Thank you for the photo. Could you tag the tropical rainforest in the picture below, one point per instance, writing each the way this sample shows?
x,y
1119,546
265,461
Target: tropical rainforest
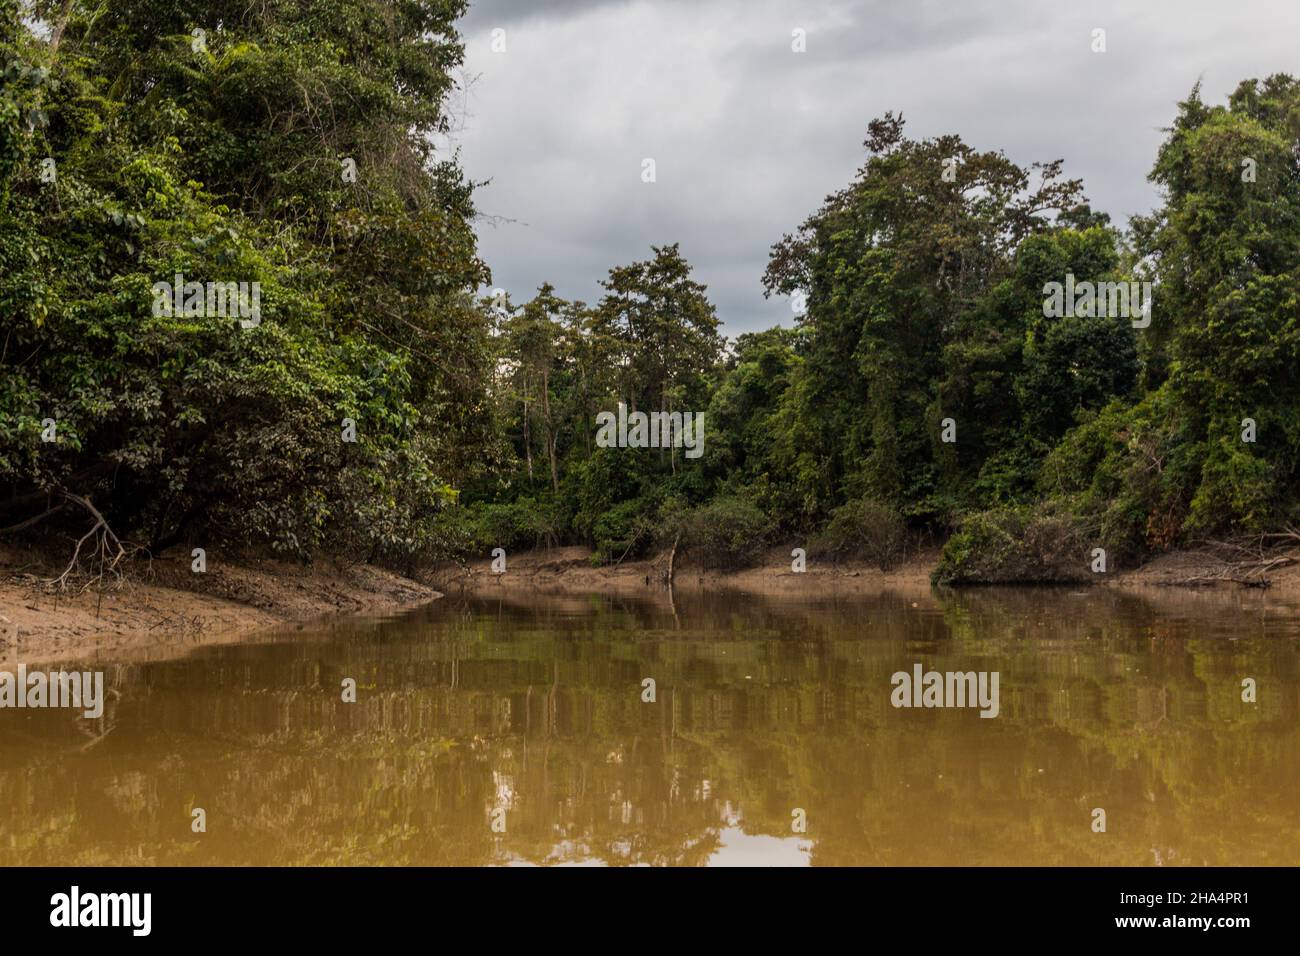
x,y
390,407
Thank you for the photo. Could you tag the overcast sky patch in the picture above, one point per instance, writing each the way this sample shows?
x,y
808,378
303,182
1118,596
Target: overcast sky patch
x,y
748,137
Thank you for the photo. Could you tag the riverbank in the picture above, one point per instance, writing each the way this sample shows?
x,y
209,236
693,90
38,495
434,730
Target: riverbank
x,y
570,569
163,601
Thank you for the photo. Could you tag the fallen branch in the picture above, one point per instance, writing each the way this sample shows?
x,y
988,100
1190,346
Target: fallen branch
x,y
1248,574
15,528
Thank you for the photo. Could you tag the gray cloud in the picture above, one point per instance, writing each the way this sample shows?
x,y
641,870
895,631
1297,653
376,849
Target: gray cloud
x,y
749,137
493,13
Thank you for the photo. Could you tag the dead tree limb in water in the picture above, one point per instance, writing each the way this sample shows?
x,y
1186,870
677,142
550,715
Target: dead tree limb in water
x,y
672,558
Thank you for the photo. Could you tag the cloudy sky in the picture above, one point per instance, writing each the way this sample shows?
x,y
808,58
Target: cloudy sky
x,y
748,136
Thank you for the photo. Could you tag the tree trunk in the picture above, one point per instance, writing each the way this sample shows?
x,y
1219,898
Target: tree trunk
x,y
528,444
550,430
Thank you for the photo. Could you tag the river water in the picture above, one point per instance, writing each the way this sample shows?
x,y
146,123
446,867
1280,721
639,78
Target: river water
x,y
518,730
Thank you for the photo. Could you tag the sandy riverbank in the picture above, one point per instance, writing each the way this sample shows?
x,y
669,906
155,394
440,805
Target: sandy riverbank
x,y
570,570
163,601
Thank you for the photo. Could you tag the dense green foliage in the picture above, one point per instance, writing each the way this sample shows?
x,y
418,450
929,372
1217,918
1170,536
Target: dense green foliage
x,y
923,389
926,383
1224,345
225,160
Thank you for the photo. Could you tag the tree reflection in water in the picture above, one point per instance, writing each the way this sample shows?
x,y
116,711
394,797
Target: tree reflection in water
x,y
762,706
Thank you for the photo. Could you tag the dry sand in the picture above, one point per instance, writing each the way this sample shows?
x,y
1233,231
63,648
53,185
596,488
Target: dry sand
x,y
163,601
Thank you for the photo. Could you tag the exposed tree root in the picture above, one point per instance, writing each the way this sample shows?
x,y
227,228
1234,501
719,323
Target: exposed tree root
x,y
106,546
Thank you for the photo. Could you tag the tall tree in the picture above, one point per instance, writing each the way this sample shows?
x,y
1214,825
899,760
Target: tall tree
x,y
890,267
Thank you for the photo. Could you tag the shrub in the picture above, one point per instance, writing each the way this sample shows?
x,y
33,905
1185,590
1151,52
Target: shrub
x,y
864,528
624,530
1236,491
514,526
1131,467
1038,545
725,533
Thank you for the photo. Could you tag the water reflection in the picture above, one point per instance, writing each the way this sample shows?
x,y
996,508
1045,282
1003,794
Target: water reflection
x,y
762,708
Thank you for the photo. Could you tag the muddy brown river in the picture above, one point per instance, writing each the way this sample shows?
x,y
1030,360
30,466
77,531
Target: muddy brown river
x,y
716,730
